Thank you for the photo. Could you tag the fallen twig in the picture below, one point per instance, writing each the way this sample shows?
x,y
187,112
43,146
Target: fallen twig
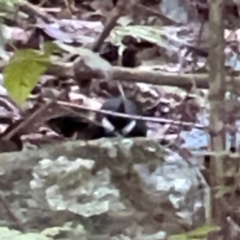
x,y
157,77
132,117
16,221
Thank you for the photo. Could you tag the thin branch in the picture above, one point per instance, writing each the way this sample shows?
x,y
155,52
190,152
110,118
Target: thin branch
x,y
111,22
217,114
17,222
132,117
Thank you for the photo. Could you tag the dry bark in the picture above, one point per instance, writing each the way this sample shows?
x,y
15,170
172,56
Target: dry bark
x,y
217,88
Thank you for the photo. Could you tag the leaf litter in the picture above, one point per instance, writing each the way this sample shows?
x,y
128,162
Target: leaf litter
x,y
150,47
173,114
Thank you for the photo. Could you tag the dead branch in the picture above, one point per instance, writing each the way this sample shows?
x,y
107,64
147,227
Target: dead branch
x,y
111,22
152,77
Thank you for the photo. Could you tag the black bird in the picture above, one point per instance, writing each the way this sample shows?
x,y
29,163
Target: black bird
x,y
112,126
123,126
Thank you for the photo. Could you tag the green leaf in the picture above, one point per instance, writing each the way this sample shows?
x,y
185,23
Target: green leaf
x,y
50,47
22,73
196,234
9,5
182,236
203,231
